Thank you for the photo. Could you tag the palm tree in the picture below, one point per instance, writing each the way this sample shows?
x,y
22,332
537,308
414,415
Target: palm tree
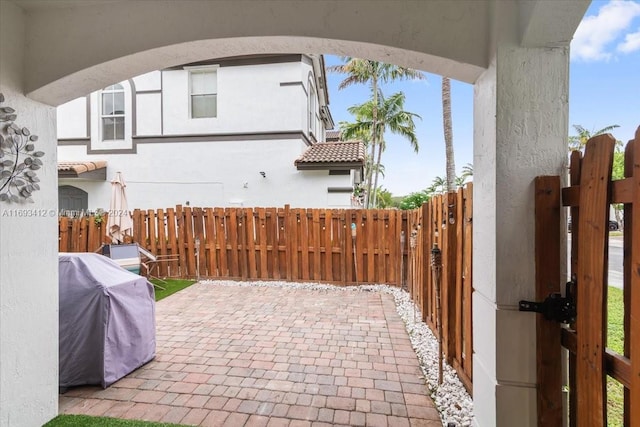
x,y
438,185
579,141
390,115
366,71
384,198
467,170
365,137
448,133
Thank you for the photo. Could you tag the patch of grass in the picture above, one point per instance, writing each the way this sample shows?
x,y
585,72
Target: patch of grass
x,y
615,341
86,421
171,286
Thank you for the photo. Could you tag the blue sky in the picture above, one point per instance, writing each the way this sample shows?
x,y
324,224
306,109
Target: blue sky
x,y
604,90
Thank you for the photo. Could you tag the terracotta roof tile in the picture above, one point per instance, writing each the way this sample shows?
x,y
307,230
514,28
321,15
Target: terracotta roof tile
x,y
333,152
80,167
333,135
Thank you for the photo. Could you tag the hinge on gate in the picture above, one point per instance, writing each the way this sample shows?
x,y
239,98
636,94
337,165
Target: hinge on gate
x,y
555,307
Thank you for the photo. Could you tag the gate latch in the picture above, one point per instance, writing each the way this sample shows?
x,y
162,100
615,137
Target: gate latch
x,y
555,307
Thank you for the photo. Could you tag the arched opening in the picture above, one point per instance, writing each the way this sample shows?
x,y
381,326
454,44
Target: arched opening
x,y
519,69
72,199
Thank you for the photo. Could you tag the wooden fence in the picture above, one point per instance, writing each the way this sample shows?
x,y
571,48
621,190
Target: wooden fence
x,y
591,362
260,243
446,221
338,246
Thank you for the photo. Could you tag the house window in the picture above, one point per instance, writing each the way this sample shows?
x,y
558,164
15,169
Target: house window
x,y
312,109
203,93
112,113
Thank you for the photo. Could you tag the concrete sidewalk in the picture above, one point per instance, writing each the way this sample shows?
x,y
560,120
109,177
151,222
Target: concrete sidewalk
x,y
268,356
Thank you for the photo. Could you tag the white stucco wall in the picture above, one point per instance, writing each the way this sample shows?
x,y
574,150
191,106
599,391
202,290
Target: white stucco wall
x,y
520,130
212,174
28,257
72,119
149,81
250,99
149,114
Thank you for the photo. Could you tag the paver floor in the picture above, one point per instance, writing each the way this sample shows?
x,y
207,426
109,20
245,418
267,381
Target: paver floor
x,y
268,356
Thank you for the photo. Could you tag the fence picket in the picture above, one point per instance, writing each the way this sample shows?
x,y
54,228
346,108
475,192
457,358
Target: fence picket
x,y
172,243
548,350
293,244
151,231
220,245
459,226
281,261
263,246
381,263
468,285
594,215
209,244
329,225
250,239
316,245
369,230
303,227
632,297
162,240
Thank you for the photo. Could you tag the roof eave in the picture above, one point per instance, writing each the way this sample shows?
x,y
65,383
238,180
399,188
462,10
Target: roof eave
x,y
328,165
99,174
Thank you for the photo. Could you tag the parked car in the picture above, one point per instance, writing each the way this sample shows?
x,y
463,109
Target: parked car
x,y
613,225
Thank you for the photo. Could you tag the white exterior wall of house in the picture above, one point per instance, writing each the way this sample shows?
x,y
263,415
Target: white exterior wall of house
x,y
28,256
164,166
220,173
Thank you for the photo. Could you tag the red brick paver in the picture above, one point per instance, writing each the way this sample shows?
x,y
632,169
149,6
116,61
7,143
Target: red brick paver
x,y
268,356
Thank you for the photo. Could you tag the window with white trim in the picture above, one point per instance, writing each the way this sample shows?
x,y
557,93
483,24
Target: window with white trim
x,y
112,112
312,109
203,93
111,118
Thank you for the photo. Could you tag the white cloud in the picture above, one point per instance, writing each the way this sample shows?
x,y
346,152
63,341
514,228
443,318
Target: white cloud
x,y
595,33
631,43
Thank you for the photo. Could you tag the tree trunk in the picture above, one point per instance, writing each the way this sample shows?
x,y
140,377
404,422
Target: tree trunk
x,y
374,134
377,172
448,133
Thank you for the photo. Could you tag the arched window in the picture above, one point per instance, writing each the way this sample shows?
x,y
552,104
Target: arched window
x,y
112,116
112,112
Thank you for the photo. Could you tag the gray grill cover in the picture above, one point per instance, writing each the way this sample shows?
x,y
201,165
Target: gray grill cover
x,y
107,320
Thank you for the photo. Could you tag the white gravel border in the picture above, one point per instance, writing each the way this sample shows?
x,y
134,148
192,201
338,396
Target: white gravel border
x,y
451,398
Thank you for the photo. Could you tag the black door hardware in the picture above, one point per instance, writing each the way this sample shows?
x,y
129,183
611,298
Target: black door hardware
x,y
555,307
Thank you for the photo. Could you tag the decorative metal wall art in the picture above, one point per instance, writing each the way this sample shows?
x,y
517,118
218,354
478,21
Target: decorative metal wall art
x,y
19,160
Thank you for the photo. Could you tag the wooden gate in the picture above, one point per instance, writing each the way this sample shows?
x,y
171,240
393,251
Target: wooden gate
x,y
589,196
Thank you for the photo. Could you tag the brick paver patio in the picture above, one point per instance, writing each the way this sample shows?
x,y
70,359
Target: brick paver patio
x,y
268,356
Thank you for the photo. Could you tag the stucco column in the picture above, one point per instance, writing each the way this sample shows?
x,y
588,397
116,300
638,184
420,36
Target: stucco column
x,y
28,255
520,131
